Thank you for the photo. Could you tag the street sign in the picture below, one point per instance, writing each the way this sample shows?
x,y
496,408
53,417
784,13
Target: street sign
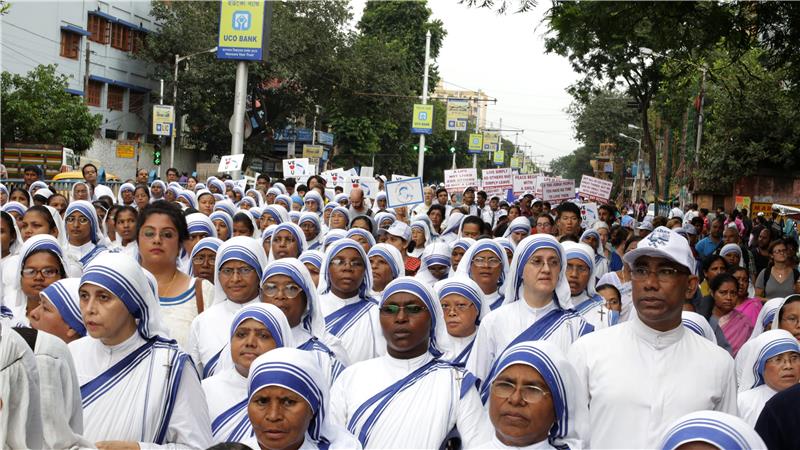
x,y
243,30
163,118
499,157
125,151
312,151
490,141
457,114
422,122
475,144
515,163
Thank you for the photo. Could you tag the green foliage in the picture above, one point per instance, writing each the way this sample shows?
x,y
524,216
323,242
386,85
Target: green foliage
x,y
37,109
602,119
575,164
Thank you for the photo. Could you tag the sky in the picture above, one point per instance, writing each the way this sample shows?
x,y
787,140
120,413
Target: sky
x,y
503,55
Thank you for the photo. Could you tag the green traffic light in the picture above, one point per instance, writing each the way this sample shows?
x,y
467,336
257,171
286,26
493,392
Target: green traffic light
x,y
452,149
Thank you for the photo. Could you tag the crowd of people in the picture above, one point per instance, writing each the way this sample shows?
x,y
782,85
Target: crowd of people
x,y
291,315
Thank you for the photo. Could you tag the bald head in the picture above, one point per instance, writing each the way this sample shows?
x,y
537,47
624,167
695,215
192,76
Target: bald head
x,y
357,198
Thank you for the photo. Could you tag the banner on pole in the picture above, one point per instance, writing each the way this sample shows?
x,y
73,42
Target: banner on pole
x,y
460,178
163,119
243,30
499,157
490,142
298,167
515,163
404,192
312,151
558,190
230,163
497,179
457,114
595,188
422,122
475,146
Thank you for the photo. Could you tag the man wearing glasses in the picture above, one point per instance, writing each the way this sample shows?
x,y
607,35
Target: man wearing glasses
x,y
650,370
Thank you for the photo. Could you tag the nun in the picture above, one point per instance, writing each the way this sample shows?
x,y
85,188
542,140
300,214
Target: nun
x,y
536,306
312,259
312,228
350,312
238,267
457,250
288,241
386,263
533,402
291,378
711,429
411,397
585,300
517,230
128,359
256,329
486,263
435,263
462,305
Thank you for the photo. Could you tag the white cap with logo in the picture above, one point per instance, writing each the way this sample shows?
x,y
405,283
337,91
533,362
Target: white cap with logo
x,y
663,243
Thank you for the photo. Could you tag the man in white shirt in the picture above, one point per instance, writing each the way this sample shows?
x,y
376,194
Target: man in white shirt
x,y
491,212
649,371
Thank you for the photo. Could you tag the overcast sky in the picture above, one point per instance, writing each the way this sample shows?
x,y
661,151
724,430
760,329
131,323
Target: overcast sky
x,y
504,56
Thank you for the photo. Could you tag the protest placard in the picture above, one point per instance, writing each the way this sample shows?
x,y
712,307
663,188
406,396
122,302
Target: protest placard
x,y
589,214
460,178
558,190
404,192
497,179
595,188
230,163
297,167
524,183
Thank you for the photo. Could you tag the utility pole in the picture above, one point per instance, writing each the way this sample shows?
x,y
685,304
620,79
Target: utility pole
x,y
175,114
161,138
239,105
421,159
86,74
699,125
455,140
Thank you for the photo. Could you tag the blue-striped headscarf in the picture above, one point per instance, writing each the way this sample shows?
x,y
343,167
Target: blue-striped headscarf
x,y
296,232
121,275
391,255
313,196
584,253
768,344
465,265
225,217
314,218
439,344
238,248
277,212
464,286
313,257
63,294
340,210
285,201
562,382
200,223
271,317
294,216
249,200
207,243
189,196
16,207
524,252
332,236
331,253
312,319
712,427
382,217
227,206
217,184
87,210
363,233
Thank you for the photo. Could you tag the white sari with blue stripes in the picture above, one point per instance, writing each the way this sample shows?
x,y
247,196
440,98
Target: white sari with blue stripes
x,y
140,390
408,403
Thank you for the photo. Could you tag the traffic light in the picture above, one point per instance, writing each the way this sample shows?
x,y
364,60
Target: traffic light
x,y
157,155
453,149
416,147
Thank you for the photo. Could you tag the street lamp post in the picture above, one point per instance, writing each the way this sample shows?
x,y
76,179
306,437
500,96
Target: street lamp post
x,y
636,181
178,59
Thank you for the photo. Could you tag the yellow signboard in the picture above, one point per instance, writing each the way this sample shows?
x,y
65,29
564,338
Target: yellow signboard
x,y
125,151
163,120
243,30
499,157
475,144
422,122
312,151
457,114
515,162
490,141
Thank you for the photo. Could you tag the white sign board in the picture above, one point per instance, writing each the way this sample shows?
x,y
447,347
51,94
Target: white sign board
x,y
460,178
494,179
297,167
404,192
396,177
595,188
524,183
230,163
240,184
541,179
558,190
335,177
366,171
589,214
352,172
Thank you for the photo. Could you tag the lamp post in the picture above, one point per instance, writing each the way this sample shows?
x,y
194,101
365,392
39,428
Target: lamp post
x,y
178,59
636,182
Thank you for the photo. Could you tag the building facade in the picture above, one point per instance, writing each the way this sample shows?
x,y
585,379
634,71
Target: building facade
x,y
477,103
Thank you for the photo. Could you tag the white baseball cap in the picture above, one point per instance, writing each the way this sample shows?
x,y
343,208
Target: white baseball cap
x,y
646,225
399,229
663,243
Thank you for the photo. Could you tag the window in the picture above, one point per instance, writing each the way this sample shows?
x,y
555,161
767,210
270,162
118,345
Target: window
x,y
93,93
136,104
120,37
116,95
137,41
70,44
111,134
98,26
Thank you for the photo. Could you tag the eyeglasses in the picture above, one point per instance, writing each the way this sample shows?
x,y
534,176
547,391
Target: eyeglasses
x,y
203,260
81,220
289,291
540,262
151,234
394,310
580,268
242,271
491,262
664,274
340,263
789,357
47,272
779,251
791,320
458,307
531,394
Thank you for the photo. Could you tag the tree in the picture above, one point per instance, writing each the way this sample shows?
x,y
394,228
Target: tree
x,y
38,109
573,165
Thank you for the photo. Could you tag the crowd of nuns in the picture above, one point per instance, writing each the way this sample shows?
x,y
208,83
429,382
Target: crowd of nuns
x,y
287,316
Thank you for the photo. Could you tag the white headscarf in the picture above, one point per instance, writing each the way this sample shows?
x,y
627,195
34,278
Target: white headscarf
x,y
519,224
426,230
314,218
586,254
299,371
698,324
278,212
36,243
102,190
121,275
571,417
296,231
200,223
62,238
525,250
776,321
239,248
14,249
712,427
123,188
481,245
766,316
768,344
74,185
366,283
436,253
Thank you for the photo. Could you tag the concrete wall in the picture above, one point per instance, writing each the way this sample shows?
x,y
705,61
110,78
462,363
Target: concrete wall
x,y
104,154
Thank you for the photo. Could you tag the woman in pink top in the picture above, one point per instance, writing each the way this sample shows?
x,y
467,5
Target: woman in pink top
x,y
749,306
